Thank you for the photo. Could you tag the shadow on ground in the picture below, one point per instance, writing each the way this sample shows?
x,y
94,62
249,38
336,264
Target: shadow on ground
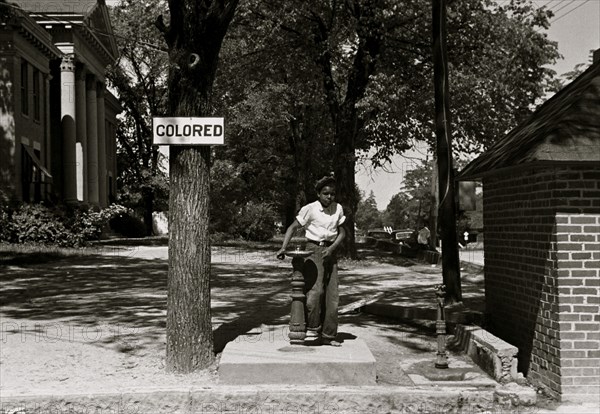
x,y
129,293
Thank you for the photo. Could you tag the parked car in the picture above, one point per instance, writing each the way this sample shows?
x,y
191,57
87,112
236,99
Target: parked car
x,y
402,235
388,240
379,234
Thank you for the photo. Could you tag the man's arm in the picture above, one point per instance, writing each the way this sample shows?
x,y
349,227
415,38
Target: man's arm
x,y
289,233
338,240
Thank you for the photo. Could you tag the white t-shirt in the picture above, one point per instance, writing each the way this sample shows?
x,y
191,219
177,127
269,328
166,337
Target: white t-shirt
x,y
318,223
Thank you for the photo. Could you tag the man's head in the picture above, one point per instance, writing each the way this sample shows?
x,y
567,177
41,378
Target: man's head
x,y
325,181
325,188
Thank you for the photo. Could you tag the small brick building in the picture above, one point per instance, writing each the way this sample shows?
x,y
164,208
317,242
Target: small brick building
x,y
541,215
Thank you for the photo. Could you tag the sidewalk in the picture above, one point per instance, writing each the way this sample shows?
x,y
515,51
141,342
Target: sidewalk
x,y
87,332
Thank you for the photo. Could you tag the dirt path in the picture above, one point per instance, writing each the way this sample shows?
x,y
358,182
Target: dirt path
x,y
96,322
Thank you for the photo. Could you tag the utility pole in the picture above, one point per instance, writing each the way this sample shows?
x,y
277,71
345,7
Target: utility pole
x,y
447,207
433,209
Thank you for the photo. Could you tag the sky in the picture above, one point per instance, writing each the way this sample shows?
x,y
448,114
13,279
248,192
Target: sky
x,y
576,28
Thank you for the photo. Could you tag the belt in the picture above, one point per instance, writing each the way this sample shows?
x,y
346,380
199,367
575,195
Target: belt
x,y
320,243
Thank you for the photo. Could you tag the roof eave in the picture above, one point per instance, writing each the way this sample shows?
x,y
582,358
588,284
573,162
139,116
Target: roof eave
x,y
481,175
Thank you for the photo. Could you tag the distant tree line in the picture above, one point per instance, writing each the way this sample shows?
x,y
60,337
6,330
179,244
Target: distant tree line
x,y
411,207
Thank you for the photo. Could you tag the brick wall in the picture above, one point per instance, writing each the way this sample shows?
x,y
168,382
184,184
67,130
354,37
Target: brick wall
x,y
542,273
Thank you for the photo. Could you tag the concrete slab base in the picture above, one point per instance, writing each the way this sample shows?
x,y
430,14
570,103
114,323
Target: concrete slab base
x,y
276,361
266,399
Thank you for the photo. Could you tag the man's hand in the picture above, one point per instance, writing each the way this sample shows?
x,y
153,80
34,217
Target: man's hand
x,y
327,252
281,254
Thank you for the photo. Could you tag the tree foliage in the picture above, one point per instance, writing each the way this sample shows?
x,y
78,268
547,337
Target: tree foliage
x,y
360,73
398,213
496,69
139,78
367,215
309,87
411,206
281,140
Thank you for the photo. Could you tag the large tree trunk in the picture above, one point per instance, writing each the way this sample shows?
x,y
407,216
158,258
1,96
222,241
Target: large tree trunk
x,y
189,328
194,38
344,166
298,147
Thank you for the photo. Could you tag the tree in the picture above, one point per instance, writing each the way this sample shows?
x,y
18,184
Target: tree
x,y
367,215
417,185
272,101
139,77
194,35
497,73
397,214
572,74
412,204
373,60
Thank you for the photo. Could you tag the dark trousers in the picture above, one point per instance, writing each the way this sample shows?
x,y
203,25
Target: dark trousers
x,y
321,289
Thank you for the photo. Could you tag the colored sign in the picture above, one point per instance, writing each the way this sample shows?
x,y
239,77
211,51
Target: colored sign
x,y
188,131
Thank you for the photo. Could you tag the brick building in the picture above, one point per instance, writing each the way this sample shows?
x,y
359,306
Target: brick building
x,y
541,214
57,120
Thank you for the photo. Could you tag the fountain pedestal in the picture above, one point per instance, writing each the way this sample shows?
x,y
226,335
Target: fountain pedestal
x,y
297,332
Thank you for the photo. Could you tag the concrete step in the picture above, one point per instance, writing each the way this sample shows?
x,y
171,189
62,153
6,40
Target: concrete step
x,y
276,361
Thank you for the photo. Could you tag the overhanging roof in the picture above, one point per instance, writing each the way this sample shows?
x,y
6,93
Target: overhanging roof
x,y
89,17
565,129
31,31
76,7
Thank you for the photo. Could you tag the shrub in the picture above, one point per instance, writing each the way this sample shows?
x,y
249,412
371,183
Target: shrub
x,y
35,223
87,222
256,222
128,224
66,226
219,237
5,226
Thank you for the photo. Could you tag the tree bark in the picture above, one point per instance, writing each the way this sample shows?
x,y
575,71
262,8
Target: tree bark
x,y
189,328
298,148
344,168
194,38
447,206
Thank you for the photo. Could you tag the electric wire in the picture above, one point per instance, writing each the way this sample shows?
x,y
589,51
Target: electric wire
x,y
569,12
565,6
555,5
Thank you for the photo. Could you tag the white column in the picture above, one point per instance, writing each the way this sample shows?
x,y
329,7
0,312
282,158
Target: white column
x,y
67,115
81,144
92,139
101,147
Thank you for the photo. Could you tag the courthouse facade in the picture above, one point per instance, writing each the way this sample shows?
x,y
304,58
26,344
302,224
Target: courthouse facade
x,y
57,119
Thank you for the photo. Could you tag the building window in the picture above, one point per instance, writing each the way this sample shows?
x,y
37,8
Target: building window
x,y
33,175
24,87
36,94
